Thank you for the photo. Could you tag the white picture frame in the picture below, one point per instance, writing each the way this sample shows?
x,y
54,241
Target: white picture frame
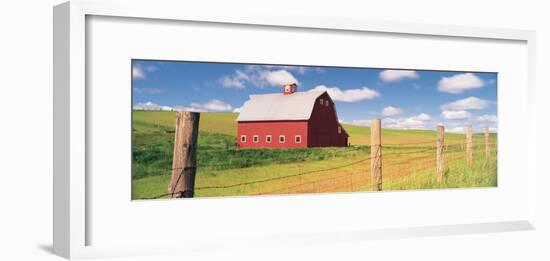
x,y
72,199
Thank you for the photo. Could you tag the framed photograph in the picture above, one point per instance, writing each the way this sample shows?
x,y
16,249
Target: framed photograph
x,y
250,129
276,130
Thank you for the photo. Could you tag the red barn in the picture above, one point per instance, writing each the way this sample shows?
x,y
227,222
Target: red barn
x,y
290,120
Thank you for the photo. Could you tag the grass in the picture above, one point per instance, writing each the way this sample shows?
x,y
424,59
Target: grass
x,y
152,152
360,135
457,174
226,171
220,122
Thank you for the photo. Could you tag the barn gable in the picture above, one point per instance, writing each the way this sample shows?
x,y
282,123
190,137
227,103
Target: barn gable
x,y
279,107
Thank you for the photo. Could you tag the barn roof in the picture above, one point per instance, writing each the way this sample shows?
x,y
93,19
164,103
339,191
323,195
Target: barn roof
x,y
277,106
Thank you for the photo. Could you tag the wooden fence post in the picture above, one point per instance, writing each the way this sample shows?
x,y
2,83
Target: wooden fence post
x,y
487,143
376,154
469,146
440,167
182,183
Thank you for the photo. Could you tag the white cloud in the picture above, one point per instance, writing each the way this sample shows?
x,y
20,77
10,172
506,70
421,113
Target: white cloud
x,y
459,83
138,73
422,117
470,103
361,122
298,69
349,95
456,130
415,122
278,78
397,75
391,111
185,108
212,105
238,110
237,80
459,126
229,82
489,118
455,115
147,90
402,123
258,76
151,106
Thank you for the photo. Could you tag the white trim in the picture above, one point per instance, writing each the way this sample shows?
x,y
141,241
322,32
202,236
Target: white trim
x,y
284,139
298,137
270,138
255,138
243,140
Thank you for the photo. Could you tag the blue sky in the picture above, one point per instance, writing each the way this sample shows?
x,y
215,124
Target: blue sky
x,y
403,99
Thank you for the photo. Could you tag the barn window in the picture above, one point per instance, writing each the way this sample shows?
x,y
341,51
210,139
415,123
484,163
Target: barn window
x,y
326,103
321,101
298,139
282,139
243,138
255,138
268,139
339,129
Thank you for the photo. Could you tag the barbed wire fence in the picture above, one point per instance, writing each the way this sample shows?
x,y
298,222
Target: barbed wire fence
x,y
407,165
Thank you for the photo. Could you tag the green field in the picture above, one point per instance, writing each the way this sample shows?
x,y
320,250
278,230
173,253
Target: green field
x,y
408,160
